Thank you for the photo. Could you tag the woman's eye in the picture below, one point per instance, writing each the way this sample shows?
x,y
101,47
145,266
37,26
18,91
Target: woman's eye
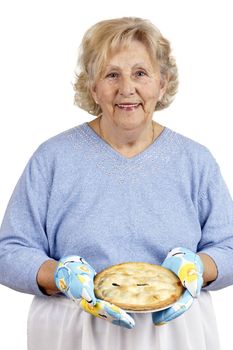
x,y
112,75
140,73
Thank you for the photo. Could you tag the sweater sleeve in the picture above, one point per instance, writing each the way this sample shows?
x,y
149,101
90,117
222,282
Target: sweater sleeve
x,y
216,219
23,241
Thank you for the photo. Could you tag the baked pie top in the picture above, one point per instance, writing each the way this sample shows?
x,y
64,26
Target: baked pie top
x,y
138,286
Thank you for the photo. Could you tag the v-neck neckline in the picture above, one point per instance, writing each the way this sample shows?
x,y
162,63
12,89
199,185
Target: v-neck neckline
x,y
147,152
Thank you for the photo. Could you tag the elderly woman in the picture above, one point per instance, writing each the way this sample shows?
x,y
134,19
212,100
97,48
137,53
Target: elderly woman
x,y
119,188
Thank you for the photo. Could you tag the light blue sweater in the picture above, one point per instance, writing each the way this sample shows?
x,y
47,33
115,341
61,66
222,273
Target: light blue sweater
x,y
79,196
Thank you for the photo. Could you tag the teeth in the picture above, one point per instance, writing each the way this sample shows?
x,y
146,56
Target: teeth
x,y
128,105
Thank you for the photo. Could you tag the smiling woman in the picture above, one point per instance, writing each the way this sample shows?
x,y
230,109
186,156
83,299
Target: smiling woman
x,y
104,39
130,74
127,93
121,188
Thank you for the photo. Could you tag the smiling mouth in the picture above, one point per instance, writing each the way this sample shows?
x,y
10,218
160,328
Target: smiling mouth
x,y
128,106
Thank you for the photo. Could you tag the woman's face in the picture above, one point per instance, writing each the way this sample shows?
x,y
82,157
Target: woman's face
x,y
129,87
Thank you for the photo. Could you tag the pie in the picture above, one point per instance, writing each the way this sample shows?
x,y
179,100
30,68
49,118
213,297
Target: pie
x,y
138,286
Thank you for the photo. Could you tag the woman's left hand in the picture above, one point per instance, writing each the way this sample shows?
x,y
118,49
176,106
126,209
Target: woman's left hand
x,y
108,312
189,268
182,305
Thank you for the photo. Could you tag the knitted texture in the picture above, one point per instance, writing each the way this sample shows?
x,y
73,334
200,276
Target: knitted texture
x,y
78,196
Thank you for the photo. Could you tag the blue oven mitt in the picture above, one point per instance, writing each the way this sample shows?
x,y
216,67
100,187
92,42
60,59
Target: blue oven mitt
x,y
178,308
109,312
189,268
75,278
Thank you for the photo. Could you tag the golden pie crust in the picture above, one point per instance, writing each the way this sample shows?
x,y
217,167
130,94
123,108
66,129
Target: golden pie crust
x,y
138,286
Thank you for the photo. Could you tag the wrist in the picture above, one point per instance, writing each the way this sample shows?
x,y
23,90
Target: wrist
x,y
210,268
45,277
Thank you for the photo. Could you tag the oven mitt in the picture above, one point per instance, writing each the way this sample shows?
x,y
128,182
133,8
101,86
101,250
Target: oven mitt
x,y
189,268
75,278
109,312
181,305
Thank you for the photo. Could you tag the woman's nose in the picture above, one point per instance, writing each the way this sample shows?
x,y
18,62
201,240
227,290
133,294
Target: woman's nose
x,y
126,87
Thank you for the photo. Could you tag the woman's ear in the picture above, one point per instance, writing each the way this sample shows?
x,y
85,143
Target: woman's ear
x,y
163,86
93,92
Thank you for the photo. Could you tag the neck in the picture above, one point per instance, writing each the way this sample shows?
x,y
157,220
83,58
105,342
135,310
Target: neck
x,y
128,142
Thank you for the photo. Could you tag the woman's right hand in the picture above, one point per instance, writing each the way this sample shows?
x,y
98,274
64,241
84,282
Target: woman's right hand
x,y
109,312
75,278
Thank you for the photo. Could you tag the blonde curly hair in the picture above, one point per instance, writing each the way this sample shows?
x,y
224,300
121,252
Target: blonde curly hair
x,y
103,39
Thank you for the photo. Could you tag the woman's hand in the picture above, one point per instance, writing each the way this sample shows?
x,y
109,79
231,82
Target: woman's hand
x,y
75,278
182,305
109,312
189,268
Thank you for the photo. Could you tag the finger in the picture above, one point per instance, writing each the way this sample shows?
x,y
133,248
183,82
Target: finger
x,y
181,306
109,312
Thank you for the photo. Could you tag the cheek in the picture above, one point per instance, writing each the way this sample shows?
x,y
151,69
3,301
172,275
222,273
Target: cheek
x,y
106,103
150,92
104,95
150,97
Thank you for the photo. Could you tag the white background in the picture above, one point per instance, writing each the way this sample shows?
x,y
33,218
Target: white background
x,y
39,42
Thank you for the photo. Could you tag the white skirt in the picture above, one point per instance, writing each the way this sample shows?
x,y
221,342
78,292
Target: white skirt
x,y
57,323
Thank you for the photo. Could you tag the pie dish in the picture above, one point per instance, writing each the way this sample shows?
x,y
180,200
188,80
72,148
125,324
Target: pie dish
x,y
138,286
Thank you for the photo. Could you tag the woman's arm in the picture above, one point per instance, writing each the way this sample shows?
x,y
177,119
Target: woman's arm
x,y
24,244
210,269
46,282
45,277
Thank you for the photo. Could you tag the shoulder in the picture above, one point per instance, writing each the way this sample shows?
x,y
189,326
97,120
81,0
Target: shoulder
x,y
61,152
62,144
63,140
193,151
194,161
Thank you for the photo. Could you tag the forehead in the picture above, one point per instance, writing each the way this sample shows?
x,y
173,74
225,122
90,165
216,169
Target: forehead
x,y
128,55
